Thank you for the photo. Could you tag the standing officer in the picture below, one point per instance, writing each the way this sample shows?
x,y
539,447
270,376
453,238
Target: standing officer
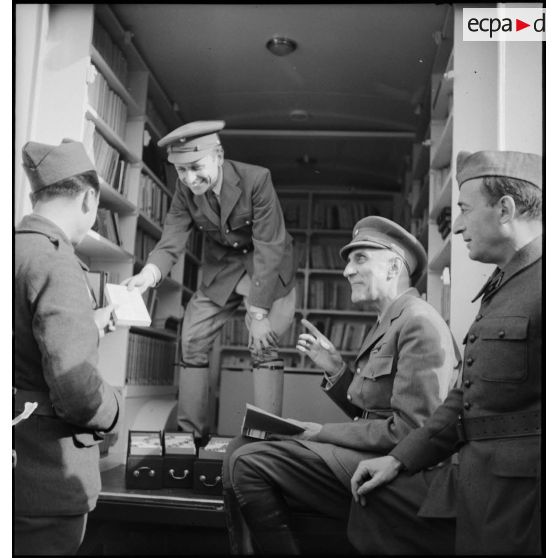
x,y
56,337
494,418
402,373
248,255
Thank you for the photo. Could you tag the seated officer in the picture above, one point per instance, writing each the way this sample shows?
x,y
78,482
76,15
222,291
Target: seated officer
x,y
403,371
494,419
248,256
56,338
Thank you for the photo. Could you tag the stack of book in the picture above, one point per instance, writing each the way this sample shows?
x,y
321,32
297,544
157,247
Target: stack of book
x,y
110,164
150,360
110,52
144,243
153,201
107,224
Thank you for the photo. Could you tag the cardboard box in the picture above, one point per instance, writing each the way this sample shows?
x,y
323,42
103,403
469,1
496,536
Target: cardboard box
x,y
178,459
144,461
208,469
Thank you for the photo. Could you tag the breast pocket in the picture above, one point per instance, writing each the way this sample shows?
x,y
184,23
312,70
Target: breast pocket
x,y
504,348
240,221
377,379
204,224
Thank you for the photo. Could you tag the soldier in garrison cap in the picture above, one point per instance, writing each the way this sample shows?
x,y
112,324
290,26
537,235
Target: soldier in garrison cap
x,y
56,338
494,417
248,256
406,365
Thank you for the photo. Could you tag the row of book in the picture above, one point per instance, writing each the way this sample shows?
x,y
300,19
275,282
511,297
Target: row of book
x,y
345,335
295,213
150,360
108,104
326,256
153,200
110,164
144,243
327,294
332,215
110,52
107,224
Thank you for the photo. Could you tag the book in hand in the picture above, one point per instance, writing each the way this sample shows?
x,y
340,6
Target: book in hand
x,y
130,309
260,424
145,443
179,443
215,448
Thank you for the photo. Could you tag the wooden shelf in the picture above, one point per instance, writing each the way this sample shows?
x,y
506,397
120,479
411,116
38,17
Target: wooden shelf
x,y
114,82
110,135
442,151
97,247
442,258
149,225
155,332
136,390
114,200
443,199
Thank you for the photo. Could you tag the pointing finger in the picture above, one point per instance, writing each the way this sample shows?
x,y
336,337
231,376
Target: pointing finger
x,y
311,327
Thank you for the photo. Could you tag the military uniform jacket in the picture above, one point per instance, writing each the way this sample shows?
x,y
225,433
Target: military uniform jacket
x,y
248,236
497,498
55,351
402,373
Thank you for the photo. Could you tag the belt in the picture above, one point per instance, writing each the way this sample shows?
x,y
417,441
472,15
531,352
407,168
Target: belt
x,y
44,407
509,425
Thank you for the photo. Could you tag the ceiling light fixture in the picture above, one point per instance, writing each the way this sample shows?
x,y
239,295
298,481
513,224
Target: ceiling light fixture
x,y
281,46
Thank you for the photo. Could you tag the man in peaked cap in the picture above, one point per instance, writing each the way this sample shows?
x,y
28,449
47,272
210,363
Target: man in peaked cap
x,y
56,337
404,369
248,256
494,418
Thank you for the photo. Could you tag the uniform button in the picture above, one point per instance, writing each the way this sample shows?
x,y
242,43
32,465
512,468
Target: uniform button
x,y
358,370
257,283
349,397
467,405
469,361
501,333
235,244
247,222
478,317
245,251
227,231
356,418
472,338
373,379
201,227
467,383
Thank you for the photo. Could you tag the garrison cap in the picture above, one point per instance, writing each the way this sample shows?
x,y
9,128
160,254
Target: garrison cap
x,y
379,232
512,164
192,141
47,164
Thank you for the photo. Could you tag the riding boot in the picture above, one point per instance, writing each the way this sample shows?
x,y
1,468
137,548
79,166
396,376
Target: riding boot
x,y
193,401
268,386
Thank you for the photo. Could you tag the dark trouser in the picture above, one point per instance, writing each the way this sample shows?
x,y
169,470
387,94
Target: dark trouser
x,y
54,536
389,524
269,481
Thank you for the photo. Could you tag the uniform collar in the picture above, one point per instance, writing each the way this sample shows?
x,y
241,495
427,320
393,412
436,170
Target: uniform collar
x,y
523,258
34,223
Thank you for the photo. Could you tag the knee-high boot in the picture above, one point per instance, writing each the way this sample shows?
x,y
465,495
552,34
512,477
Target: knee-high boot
x,y
268,385
239,535
193,401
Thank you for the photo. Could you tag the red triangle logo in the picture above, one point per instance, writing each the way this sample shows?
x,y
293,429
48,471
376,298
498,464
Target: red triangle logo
x,y
519,25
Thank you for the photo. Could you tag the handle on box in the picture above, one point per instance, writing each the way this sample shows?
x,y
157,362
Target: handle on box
x,y
137,472
203,479
176,477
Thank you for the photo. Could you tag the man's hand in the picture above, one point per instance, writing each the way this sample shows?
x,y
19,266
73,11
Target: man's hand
x,y
311,429
102,317
143,280
261,335
319,348
372,473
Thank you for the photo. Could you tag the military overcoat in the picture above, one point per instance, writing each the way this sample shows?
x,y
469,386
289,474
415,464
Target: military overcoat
x,y
55,353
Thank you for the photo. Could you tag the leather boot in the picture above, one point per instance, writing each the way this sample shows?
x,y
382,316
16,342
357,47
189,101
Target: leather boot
x,y
268,386
193,401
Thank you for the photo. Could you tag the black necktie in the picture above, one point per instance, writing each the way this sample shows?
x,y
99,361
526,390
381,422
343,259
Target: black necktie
x,y
493,283
213,202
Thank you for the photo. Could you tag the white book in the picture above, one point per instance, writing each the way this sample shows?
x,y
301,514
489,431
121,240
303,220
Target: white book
x,y
130,309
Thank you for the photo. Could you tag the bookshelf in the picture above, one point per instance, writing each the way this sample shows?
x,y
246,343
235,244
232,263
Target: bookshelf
x,y
114,105
320,226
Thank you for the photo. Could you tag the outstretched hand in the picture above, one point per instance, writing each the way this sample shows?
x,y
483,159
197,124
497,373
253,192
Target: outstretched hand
x,y
319,348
